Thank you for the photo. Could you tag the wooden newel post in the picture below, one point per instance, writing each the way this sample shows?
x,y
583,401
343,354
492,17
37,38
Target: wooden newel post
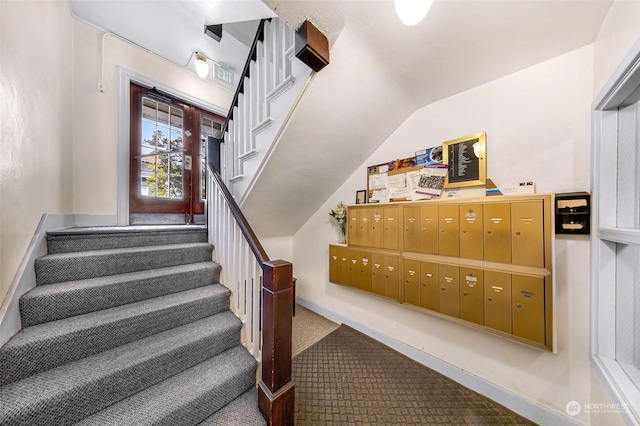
x,y
275,390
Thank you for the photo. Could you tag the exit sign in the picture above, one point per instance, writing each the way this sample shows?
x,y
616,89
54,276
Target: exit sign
x,y
224,74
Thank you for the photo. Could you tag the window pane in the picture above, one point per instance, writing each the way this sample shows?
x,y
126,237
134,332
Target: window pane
x,y
163,113
217,129
162,138
628,211
162,185
149,109
176,118
175,186
176,140
176,163
149,134
203,178
628,310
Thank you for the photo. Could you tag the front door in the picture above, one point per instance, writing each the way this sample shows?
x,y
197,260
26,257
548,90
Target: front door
x,y
168,163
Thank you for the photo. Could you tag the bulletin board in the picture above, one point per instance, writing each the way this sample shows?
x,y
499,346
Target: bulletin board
x,y
402,180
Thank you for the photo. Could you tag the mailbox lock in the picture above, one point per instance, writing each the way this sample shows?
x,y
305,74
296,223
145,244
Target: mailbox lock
x,y
464,293
442,288
489,231
489,299
464,231
429,275
518,305
517,232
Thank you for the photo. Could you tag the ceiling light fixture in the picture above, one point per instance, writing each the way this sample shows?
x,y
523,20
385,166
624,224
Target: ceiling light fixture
x,y
202,67
411,12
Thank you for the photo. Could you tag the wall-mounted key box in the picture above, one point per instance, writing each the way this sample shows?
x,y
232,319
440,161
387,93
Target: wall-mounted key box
x,y
573,213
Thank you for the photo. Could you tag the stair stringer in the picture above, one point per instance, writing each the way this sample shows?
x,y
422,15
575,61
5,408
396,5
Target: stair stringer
x,y
282,105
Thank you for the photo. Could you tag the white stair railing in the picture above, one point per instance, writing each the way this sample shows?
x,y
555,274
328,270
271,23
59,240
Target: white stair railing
x,y
271,71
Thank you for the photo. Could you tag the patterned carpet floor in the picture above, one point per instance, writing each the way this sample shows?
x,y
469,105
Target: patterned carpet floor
x,y
348,378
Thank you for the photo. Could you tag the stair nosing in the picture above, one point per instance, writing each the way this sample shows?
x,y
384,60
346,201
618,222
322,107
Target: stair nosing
x,y
140,249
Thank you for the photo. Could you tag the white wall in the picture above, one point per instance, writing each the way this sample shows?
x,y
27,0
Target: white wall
x,y
36,59
620,29
95,120
537,124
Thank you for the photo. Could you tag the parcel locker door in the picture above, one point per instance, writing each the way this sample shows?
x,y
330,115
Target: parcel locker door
x,y
364,265
449,294
377,273
411,229
429,229
376,218
334,257
471,236
392,277
449,240
412,282
391,228
471,295
365,226
528,308
527,242
497,301
429,285
497,232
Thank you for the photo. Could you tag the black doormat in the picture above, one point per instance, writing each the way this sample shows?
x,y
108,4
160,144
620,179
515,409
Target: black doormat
x,y
348,378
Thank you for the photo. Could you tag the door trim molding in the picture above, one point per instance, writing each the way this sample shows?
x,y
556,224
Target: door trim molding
x,y
125,78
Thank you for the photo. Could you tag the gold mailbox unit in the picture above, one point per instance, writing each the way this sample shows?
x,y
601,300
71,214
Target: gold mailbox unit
x,y
484,263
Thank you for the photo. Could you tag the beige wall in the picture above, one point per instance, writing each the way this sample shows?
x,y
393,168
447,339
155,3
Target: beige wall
x,y
620,29
36,64
537,124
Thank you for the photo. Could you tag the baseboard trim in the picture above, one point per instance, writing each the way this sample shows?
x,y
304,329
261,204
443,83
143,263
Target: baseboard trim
x,y
517,403
25,278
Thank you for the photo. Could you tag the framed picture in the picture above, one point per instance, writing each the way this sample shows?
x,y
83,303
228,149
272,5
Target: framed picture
x,y
361,197
466,158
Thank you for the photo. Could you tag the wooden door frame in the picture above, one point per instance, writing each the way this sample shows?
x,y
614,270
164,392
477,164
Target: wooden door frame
x,y
125,78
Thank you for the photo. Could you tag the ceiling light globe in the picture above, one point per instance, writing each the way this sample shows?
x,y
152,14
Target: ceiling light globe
x,y
202,67
411,12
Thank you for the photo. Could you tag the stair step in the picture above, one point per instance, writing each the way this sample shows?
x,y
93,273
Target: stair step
x,y
63,300
56,268
49,345
186,398
71,392
108,237
241,411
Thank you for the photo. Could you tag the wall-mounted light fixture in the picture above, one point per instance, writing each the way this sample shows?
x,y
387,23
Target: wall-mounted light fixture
x,y
202,67
411,12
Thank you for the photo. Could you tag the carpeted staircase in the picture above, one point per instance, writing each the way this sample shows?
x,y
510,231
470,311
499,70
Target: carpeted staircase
x,y
127,326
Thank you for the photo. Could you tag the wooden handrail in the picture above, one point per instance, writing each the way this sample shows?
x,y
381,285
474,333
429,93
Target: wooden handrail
x,y
248,233
245,72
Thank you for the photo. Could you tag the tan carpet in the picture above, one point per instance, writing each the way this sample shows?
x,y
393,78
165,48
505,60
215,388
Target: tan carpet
x,y
309,328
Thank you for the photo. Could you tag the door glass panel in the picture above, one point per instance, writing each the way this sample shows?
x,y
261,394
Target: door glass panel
x,y
628,211
161,175
628,310
208,128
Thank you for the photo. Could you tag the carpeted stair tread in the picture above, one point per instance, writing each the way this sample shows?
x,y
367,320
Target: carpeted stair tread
x,y
44,346
62,300
186,398
100,238
73,391
242,411
56,268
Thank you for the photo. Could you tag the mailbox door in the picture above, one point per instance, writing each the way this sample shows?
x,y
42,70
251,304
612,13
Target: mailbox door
x,y
412,282
353,229
364,264
410,229
377,273
429,285
448,298
391,228
365,226
528,308
343,266
376,219
334,257
392,278
429,229
354,268
471,236
471,295
449,240
497,301
497,232
527,241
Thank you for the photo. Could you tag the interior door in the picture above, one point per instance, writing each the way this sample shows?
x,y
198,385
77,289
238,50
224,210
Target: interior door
x,y
168,155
